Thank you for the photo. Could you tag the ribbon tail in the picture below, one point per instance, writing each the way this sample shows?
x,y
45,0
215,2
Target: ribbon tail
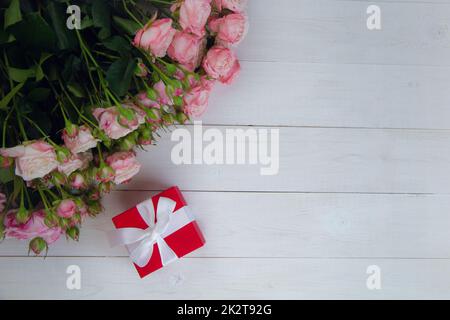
x,y
142,253
166,252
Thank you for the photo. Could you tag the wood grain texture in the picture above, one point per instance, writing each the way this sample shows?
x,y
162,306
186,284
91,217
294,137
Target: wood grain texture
x,y
278,225
318,160
329,31
334,95
364,170
241,278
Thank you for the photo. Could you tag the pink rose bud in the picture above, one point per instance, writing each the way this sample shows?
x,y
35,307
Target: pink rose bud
x,y
6,162
73,233
94,195
125,166
35,227
187,49
3,200
105,173
62,154
81,141
141,70
95,208
221,63
181,118
193,16
161,90
155,37
231,29
116,126
70,130
148,99
22,215
58,178
75,162
66,208
33,160
105,187
145,136
196,99
233,5
129,142
37,245
77,181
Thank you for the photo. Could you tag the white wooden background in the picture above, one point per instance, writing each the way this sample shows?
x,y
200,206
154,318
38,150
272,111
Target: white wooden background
x,y
364,170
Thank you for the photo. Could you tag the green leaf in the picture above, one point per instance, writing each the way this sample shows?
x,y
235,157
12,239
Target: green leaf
x,y
6,175
4,37
118,44
101,15
12,14
6,99
119,75
39,72
86,23
34,32
17,187
72,66
76,90
21,75
67,39
38,94
127,25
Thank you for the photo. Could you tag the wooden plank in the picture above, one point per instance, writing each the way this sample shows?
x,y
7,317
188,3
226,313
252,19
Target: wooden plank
x,y
327,95
316,160
288,225
106,278
329,31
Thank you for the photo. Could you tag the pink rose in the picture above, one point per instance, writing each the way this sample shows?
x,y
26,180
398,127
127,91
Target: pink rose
x,y
33,160
34,227
233,5
230,29
77,181
163,97
155,37
82,141
146,101
109,118
187,49
221,63
2,202
125,166
196,100
193,16
5,162
66,208
75,162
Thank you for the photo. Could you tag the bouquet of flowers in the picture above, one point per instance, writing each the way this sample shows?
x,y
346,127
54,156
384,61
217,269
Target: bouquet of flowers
x,y
85,83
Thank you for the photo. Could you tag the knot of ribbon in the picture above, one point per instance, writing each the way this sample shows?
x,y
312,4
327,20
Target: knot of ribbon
x,y
140,242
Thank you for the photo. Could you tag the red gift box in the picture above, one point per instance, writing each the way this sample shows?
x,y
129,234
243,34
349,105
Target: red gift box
x,y
157,231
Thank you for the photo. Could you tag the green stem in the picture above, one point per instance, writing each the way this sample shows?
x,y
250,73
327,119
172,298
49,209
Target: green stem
x,y
110,56
100,154
28,197
4,128
131,14
21,127
44,199
45,136
162,2
75,106
55,197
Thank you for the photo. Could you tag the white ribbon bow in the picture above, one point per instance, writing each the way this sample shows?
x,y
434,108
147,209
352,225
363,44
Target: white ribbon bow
x,y
140,242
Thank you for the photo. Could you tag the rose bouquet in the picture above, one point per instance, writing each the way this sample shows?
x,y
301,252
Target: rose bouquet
x,y
85,83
